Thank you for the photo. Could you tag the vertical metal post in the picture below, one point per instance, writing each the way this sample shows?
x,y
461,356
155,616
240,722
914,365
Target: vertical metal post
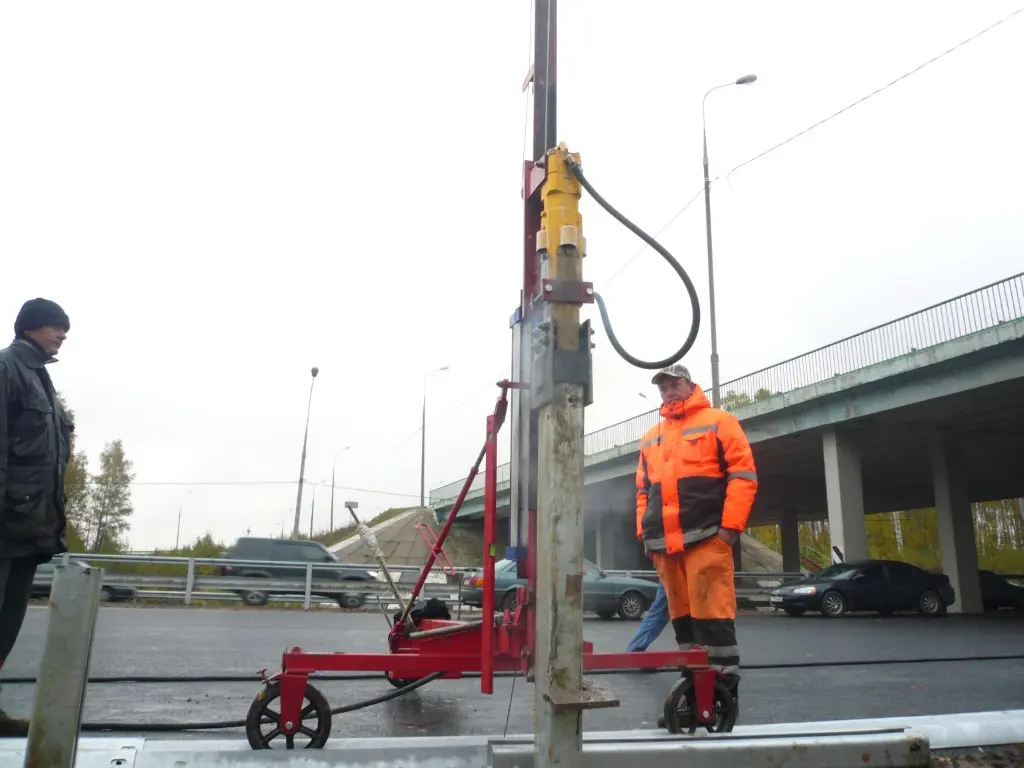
x,y
309,586
60,689
190,580
302,465
716,397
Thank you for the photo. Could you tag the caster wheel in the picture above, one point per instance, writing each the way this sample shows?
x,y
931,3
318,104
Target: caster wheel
x,y
681,716
398,682
263,723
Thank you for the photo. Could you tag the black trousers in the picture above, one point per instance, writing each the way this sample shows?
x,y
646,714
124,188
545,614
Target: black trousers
x,y
16,575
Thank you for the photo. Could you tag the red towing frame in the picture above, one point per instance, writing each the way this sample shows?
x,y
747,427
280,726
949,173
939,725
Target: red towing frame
x,y
502,643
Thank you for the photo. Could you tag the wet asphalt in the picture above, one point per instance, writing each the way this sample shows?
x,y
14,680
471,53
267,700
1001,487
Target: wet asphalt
x,y
185,641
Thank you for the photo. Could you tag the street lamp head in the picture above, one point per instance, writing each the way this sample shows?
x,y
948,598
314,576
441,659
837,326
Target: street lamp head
x,y
315,371
746,80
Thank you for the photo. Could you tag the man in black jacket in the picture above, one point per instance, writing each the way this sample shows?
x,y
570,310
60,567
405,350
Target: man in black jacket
x,y
35,436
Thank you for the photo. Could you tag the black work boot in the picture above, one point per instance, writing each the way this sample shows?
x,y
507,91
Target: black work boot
x,y
12,726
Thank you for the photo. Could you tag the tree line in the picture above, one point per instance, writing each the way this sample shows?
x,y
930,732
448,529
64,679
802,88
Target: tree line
x,y
99,505
912,536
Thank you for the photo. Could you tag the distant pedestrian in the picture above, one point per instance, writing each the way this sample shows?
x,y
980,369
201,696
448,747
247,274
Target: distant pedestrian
x,y
696,484
653,625
35,437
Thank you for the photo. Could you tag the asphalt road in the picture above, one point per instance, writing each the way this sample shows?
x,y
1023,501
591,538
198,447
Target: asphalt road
x,y
181,641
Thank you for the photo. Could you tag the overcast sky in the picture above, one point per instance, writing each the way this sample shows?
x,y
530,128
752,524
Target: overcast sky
x,y
224,194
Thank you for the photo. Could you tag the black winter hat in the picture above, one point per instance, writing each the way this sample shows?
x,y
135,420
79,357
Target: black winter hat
x,y
35,313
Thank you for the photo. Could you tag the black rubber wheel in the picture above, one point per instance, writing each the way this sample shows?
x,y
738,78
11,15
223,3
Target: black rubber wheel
x,y
795,611
315,720
632,606
833,604
106,595
679,714
399,682
930,604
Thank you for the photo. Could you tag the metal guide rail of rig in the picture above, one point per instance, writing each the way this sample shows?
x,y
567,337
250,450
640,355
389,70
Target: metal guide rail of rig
x,y
551,385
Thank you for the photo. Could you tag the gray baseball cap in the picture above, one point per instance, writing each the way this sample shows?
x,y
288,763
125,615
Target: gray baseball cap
x,y
676,371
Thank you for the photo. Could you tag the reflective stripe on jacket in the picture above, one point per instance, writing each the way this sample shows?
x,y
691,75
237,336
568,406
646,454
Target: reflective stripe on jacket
x,y
696,474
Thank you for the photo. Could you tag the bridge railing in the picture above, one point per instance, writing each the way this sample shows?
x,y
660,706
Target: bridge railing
x,y
978,310
968,313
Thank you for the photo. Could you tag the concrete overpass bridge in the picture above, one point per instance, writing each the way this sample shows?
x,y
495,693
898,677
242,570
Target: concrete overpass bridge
x,y
926,410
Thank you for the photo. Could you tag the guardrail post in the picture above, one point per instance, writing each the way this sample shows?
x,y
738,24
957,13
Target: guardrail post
x,y
309,585
190,580
64,671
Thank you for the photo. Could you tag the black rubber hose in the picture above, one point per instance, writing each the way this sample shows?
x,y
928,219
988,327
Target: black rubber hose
x,y
694,301
222,724
183,679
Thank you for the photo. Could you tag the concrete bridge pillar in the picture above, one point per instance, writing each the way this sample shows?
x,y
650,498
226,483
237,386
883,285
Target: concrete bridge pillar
x,y
958,546
789,532
845,493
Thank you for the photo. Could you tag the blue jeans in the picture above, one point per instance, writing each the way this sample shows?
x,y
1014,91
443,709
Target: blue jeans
x,y
653,624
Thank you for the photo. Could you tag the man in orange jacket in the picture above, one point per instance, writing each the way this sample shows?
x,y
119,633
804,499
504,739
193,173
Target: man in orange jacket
x,y
696,483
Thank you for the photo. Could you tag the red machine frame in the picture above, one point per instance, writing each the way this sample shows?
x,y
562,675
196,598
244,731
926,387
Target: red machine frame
x,y
455,648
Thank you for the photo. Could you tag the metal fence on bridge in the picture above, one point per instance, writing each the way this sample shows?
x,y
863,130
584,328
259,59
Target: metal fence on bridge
x,y
978,310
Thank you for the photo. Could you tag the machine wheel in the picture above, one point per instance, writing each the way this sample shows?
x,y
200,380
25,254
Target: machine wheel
x,y
399,682
632,606
679,709
833,604
795,611
315,725
930,604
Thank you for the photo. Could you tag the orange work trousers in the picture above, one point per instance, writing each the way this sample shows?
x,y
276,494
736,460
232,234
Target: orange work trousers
x,y
700,586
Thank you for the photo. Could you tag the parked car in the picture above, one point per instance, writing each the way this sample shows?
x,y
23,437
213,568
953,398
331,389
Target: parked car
x,y
886,586
108,592
997,592
603,594
289,551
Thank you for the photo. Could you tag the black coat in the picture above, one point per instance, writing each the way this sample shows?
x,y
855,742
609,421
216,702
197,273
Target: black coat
x,y
35,437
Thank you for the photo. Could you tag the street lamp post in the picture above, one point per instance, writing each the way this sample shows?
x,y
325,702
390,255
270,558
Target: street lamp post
x,y
423,438
715,394
302,465
333,463
177,535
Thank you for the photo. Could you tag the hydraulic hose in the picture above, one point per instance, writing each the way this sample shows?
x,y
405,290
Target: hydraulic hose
x,y
222,724
577,171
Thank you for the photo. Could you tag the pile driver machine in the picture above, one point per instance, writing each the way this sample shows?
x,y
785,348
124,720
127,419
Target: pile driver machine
x,y
550,386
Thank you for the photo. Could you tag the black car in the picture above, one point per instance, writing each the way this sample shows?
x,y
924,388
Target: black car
x,y
886,586
289,551
997,592
108,592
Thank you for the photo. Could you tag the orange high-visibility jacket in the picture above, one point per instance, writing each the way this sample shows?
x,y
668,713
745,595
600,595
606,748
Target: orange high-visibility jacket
x,y
696,474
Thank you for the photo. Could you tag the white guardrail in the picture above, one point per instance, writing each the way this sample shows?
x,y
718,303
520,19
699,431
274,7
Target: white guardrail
x,y
192,586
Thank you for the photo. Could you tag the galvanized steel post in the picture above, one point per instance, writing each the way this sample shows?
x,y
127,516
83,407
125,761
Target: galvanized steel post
x,y
190,580
64,671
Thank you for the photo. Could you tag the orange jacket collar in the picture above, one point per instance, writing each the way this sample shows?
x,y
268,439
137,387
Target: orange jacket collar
x,y
680,409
